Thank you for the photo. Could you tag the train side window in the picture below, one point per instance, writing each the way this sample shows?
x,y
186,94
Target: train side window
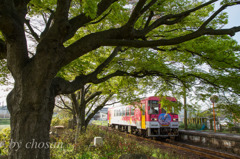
x,y
132,110
163,110
127,111
154,107
143,109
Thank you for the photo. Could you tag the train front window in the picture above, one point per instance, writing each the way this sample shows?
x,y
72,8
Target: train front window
x,y
154,107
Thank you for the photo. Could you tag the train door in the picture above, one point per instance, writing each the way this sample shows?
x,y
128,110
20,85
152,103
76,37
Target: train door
x,y
110,114
109,117
143,117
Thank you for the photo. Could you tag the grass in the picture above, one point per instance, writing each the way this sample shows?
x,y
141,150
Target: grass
x,y
4,121
98,122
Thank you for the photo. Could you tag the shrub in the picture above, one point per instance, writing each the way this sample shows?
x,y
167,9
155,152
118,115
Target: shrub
x,y
4,138
55,121
60,121
114,145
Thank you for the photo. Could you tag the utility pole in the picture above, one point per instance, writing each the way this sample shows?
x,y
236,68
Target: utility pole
x,y
214,99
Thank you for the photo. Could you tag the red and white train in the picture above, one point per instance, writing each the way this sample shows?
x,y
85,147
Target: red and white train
x,y
146,118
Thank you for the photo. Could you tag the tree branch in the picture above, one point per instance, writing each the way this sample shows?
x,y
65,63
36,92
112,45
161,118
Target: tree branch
x,y
136,13
149,19
87,88
102,17
82,19
103,65
92,104
213,59
3,50
48,24
65,105
99,107
60,27
93,96
21,8
75,103
173,41
216,13
173,19
12,27
33,33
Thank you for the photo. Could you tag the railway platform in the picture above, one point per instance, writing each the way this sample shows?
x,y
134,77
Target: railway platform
x,y
221,141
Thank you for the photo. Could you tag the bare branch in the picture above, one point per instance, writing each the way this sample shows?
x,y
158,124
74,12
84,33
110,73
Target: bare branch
x,y
33,33
65,105
62,107
99,107
93,103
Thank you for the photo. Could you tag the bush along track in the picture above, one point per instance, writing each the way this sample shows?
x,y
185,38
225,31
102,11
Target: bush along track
x,y
114,145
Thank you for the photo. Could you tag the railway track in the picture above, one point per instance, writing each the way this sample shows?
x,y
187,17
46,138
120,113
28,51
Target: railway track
x,y
203,152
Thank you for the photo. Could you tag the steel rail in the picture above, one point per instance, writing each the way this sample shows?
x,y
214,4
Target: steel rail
x,y
203,152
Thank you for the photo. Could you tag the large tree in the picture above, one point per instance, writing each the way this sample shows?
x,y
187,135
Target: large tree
x,y
66,34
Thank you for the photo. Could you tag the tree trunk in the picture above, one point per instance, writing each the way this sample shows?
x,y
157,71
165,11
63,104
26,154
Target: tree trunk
x,y
77,130
82,119
80,123
211,124
31,113
185,110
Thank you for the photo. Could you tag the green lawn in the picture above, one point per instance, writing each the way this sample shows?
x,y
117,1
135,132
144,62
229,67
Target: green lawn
x,y
4,123
98,122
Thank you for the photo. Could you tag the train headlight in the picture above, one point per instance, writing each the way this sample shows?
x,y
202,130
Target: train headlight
x,y
175,119
154,119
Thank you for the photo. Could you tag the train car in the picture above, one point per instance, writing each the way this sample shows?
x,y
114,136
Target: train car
x,y
145,118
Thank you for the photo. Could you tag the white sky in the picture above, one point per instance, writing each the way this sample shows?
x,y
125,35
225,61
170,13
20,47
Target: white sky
x,y
234,20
